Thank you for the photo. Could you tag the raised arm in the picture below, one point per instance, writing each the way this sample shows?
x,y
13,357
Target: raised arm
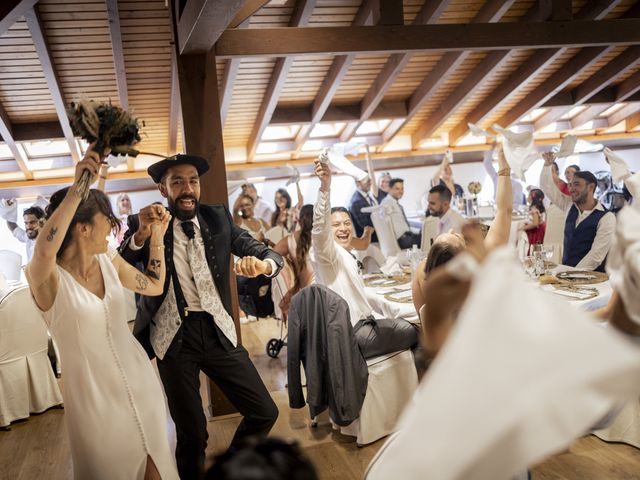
x,y
41,271
548,186
300,197
151,282
501,227
435,180
321,236
487,162
372,173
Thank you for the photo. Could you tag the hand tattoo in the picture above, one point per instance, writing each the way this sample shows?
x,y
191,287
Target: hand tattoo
x,y
51,234
142,282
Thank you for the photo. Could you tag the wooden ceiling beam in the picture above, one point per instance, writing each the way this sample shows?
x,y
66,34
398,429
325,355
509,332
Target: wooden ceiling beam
x,y
587,115
231,68
492,11
248,9
333,79
118,52
282,42
622,114
7,137
541,59
621,64
301,15
388,12
428,14
174,106
203,21
12,10
46,62
336,113
632,122
628,88
584,59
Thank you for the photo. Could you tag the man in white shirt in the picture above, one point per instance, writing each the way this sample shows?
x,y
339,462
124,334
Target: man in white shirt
x,y
337,269
33,221
589,228
261,209
439,204
401,229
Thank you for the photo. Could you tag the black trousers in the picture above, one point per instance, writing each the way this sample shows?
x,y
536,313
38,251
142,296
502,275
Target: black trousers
x,y
384,335
408,239
204,347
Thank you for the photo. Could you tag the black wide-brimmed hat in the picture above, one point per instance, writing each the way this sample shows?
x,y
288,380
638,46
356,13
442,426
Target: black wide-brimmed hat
x,y
157,170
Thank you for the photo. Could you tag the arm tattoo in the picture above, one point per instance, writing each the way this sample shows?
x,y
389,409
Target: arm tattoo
x,y
154,268
141,281
51,234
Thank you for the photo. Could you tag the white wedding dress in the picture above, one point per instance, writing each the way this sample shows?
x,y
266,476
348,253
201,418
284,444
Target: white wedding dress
x,y
114,404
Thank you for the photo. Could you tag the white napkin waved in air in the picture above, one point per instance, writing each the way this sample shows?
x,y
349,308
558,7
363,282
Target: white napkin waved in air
x,y
479,132
619,168
9,209
41,202
522,374
623,261
294,175
567,146
518,150
336,155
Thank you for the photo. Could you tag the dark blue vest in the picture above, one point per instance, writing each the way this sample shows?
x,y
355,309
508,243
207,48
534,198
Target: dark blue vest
x,y
578,240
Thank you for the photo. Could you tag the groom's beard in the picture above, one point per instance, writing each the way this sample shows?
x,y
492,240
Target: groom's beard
x,y
182,212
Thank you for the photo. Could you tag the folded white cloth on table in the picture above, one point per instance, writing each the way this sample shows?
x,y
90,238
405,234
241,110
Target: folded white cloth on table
x,y
567,146
9,209
336,155
511,386
518,150
391,266
619,168
623,263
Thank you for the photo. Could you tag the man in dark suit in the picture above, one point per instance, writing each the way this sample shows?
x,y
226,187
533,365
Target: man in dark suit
x,y
189,327
362,198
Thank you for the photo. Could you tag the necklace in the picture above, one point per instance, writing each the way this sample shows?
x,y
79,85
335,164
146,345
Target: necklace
x,y
82,277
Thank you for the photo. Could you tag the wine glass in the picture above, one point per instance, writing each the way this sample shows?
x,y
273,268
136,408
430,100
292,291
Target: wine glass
x,y
548,250
529,264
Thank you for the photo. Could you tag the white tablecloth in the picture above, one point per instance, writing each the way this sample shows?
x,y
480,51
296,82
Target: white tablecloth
x,y
389,309
604,293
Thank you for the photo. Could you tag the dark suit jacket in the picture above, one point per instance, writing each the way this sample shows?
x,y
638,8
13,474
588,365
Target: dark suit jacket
x,y
221,238
360,219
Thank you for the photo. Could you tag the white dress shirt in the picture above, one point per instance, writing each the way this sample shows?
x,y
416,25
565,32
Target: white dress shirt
x,y
263,210
334,267
396,213
451,220
181,262
606,225
29,243
368,197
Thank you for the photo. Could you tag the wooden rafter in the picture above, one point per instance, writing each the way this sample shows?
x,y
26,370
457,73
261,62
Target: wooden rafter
x,y
336,113
588,114
333,79
584,59
624,113
540,60
491,12
624,62
279,42
44,55
202,22
231,68
301,15
428,14
469,85
18,153
632,122
12,10
248,9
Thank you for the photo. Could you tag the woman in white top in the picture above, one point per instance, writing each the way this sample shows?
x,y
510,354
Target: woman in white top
x,y
243,216
114,408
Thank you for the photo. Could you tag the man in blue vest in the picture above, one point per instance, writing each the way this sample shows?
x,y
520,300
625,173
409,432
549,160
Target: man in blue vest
x,y
588,228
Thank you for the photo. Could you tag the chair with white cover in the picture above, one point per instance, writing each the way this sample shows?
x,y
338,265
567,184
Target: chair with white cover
x,y
429,233
372,258
276,234
10,263
384,230
27,382
554,234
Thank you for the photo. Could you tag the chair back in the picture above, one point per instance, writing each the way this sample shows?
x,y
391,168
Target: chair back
x,y
554,234
22,327
372,258
10,263
276,234
429,233
384,230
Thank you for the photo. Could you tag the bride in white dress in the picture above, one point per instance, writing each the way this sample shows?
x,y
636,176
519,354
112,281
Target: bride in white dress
x,y
114,407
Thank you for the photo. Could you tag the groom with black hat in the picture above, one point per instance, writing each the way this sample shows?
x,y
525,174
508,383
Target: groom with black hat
x,y
189,327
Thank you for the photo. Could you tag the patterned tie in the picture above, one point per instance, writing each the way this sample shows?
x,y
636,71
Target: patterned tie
x,y
209,297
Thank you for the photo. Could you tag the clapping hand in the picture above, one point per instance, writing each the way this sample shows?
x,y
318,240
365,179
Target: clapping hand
x,y
252,267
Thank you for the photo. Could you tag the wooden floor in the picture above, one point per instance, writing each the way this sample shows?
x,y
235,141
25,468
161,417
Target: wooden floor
x,y
38,448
